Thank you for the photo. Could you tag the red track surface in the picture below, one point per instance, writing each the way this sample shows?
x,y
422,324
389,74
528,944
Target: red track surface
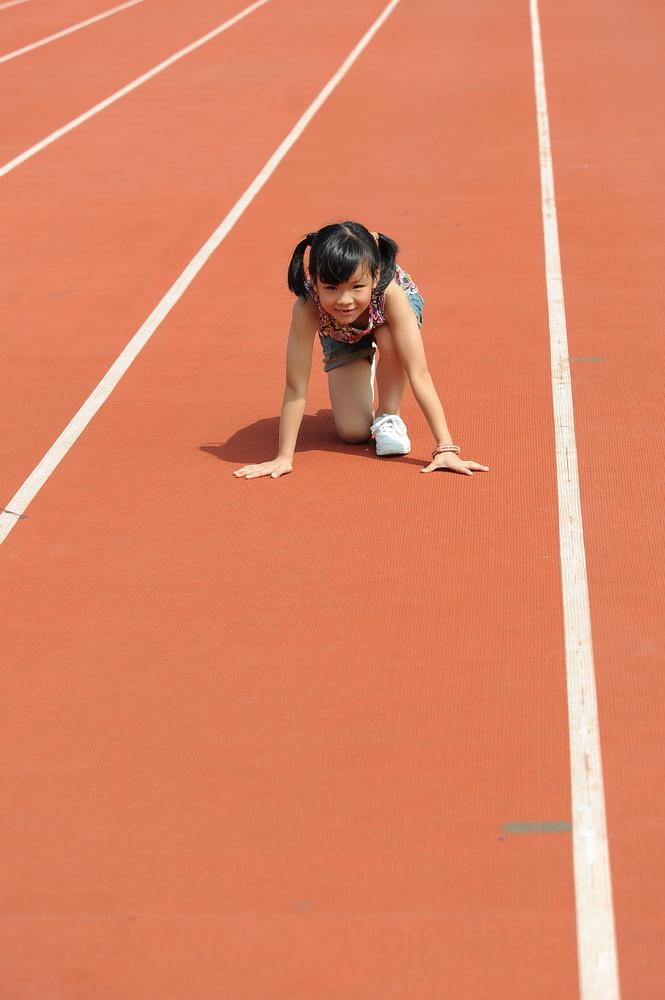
x,y
261,738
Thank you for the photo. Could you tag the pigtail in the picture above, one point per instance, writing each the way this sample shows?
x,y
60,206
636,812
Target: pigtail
x,y
297,277
388,250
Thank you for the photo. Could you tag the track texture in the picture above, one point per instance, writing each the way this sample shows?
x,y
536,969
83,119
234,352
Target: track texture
x,y
262,739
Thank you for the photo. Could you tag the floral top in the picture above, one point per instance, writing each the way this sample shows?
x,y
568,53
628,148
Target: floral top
x,y
330,327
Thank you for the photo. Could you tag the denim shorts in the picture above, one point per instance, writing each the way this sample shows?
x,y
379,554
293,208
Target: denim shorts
x,y
339,352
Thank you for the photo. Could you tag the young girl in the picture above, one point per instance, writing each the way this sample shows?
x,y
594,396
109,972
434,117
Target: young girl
x,y
357,298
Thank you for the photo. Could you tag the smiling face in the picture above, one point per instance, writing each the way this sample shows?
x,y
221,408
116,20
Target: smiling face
x,y
349,300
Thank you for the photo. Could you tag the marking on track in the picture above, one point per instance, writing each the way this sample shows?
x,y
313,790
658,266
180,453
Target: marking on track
x,y
552,826
67,31
108,101
596,939
27,492
12,3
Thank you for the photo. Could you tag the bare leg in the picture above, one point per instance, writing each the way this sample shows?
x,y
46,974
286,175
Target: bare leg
x,y
391,379
352,398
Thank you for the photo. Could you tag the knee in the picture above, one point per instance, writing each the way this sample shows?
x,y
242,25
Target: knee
x,y
353,434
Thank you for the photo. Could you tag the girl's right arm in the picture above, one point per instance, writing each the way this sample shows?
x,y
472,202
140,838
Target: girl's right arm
x,y
304,324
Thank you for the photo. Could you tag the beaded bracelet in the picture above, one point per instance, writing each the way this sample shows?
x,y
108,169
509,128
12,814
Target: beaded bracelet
x,y
440,448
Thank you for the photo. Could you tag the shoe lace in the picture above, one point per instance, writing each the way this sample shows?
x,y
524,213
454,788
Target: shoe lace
x,y
388,422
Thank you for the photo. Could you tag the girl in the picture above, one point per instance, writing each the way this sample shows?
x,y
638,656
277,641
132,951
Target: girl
x,y
357,298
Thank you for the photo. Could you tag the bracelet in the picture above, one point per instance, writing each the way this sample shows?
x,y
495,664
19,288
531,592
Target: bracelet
x,y
440,448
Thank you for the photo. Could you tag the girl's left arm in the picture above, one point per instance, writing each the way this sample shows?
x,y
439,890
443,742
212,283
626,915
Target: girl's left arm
x,y
409,345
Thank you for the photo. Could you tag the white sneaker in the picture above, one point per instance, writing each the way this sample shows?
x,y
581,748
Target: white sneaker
x,y
389,431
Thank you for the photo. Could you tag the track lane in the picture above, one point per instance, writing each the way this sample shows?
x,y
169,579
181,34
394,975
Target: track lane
x,y
331,798
108,56
605,100
31,19
32,46
596,931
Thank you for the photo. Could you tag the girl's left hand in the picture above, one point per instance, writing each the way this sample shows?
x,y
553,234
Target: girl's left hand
x,y
449,460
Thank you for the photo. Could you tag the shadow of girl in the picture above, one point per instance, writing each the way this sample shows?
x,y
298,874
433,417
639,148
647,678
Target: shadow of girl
x,y
258,442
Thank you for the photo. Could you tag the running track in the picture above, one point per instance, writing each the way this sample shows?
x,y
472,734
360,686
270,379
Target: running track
x,y
271,740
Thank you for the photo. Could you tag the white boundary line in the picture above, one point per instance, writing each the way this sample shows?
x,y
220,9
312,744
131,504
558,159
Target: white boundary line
x,y
66,31
12,3
27,492
70,126
596,940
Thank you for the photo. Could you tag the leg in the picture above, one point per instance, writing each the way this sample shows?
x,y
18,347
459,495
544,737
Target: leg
x,y
391,379
389,430
352,398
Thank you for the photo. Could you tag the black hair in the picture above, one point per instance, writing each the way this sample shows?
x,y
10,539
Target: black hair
x,y
338,251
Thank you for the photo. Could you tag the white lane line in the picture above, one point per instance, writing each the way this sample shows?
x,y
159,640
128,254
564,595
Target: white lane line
x,y
596,940
107,102
12,3
27,492
66,31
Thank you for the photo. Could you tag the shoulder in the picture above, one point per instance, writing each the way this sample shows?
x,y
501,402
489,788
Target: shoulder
x,y
396,304
394,293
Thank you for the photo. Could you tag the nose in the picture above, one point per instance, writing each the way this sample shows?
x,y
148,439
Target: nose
x,y
346,298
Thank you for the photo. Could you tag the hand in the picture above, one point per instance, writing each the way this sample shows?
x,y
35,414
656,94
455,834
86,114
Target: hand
x,y
449,460
278,467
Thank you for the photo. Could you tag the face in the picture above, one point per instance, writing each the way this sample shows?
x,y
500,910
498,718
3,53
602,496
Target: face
x,y
346,302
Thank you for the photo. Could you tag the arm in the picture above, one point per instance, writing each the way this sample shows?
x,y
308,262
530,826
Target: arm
x,y
409,345
304,324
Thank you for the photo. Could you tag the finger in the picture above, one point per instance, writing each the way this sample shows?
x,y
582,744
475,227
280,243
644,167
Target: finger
x,y
433,466
479,468
251,471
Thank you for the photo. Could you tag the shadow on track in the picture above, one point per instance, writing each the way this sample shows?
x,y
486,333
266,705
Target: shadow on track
x,y
258,442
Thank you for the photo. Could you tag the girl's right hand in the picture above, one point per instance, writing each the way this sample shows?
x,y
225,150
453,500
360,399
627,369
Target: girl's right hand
x,y
278,467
